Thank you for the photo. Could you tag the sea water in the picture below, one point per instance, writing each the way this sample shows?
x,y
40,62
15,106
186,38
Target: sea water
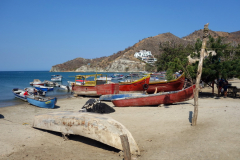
x,y
22,79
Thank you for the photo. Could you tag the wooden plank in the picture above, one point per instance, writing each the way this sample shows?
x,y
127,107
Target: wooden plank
x,y
126,147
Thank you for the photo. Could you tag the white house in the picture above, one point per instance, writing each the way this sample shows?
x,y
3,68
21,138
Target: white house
x,y
145,56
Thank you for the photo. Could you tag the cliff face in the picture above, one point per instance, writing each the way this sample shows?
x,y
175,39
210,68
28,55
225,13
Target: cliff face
x,y
123,61
119,65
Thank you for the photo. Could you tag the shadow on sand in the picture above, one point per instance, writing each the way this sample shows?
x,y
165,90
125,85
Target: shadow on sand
x,y
84,140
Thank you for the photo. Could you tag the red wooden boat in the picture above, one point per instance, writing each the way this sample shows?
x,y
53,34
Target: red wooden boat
x,y
135,86
156,99
166,86
94,87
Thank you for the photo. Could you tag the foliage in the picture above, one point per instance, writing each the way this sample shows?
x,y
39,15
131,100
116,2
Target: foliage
x,y
150,68
173,57
224,64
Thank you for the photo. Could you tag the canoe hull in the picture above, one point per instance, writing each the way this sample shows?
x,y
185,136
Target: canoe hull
x,y
98,90
116,96
165,86
156,99
90,125
45,103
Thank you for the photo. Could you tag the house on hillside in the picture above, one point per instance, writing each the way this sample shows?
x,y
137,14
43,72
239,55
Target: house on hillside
x,y
145,56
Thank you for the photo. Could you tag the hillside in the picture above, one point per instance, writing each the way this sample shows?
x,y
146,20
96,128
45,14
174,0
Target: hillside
x,y
125,61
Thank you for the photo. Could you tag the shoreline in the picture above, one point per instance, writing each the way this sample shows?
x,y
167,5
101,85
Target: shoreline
x,y
160,132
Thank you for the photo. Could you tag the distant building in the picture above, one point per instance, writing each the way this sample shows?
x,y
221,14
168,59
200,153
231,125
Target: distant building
x,y
145,56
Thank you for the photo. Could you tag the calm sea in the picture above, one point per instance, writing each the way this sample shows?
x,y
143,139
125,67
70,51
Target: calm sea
x,y
21,79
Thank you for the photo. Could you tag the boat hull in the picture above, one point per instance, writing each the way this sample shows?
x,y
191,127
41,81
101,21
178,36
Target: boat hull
x,y
43,103
136,86
95,126
18,93
156,99
44,88
98,90
116,96
166,86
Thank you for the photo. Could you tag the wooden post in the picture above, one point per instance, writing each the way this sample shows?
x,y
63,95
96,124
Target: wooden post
x,y
126,147
199,74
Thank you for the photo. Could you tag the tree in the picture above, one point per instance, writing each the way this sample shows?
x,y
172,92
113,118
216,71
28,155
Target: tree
x,y
171,51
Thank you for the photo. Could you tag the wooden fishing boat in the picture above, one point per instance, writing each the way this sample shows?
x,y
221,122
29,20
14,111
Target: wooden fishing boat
x,y
91,125
93,87
135,86
166,86
43,102
156,99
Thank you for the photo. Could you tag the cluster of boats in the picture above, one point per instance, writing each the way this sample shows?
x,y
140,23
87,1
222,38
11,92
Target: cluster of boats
x,y
36,95
141,92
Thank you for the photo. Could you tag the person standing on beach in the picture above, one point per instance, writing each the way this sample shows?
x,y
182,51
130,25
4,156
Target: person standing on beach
x,y
225,87
220,85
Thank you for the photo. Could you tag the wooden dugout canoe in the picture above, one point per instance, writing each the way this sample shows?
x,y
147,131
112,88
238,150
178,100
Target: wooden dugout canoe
x,y
91,125
166,86
156,99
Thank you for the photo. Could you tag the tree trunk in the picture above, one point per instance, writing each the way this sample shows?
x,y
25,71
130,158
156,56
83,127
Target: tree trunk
x,y
199,74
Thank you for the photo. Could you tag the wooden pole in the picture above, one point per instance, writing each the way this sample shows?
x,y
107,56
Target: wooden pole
x,y
126,147
199,74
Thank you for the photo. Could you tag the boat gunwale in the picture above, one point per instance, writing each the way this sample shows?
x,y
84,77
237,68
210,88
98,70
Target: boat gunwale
x,y
157,82
123,83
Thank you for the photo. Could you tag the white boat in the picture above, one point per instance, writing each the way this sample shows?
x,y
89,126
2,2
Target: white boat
x,y
67,88
104,78
91,125
56,78
19,93
37,82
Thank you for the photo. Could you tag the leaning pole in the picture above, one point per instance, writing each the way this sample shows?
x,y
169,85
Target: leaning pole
x,y
199,74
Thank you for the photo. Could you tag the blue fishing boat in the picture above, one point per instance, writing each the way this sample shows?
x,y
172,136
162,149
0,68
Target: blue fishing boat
x,y
43,88
110,97
43,102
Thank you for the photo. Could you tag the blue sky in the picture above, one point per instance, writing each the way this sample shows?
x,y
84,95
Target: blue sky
x,y
38,34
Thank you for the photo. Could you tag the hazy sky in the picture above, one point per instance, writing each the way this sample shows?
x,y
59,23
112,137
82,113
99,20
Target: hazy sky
x,y
37,34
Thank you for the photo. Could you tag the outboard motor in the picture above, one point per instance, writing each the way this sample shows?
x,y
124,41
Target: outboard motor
x,y
41,93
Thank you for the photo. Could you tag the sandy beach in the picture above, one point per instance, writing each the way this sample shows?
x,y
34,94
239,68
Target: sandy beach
x,y
161,132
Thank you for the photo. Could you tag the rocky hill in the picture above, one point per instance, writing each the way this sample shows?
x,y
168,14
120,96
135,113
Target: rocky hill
x,y
125,61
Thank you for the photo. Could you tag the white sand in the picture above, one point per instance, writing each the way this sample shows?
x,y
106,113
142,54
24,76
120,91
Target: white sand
x,y
160,132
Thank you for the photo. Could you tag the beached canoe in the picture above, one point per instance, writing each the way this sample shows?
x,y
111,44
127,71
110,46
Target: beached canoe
x,y
43,102
91,125
111,97
156,99
166,86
